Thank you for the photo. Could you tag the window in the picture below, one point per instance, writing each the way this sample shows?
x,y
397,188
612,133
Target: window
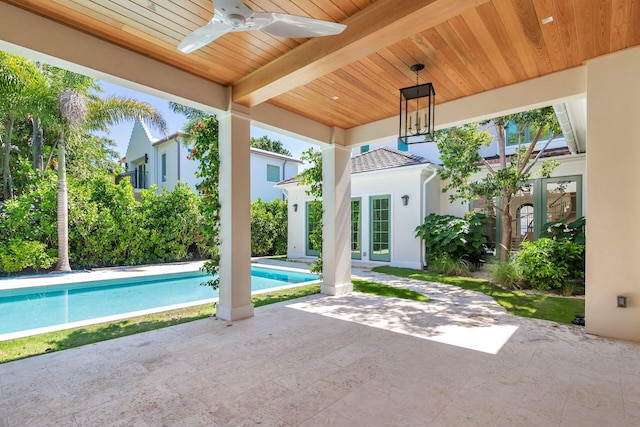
x,y
526,136
563,198
164,167
525,221
313,220
273,173
356,221
380,228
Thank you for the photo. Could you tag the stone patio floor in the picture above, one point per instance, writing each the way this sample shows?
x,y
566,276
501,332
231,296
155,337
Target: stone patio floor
x,y
354,360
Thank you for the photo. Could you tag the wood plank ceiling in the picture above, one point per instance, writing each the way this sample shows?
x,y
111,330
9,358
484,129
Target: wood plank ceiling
x,y
467,46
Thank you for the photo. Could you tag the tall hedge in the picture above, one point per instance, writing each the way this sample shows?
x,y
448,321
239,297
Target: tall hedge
x,y
268,228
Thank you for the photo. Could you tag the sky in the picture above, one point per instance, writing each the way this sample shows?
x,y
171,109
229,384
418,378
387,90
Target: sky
x,y
175,122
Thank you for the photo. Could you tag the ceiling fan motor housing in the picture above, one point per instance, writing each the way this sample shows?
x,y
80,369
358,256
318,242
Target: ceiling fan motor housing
x,y
236,21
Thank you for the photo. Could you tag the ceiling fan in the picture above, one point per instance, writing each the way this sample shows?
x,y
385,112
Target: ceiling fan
x,y
234,15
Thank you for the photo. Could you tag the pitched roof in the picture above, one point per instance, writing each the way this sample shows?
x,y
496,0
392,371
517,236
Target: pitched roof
x,y
551,152
378,159
384,158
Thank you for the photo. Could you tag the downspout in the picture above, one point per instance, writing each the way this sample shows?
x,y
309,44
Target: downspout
x,y
423,210
284,166
178,142
567,127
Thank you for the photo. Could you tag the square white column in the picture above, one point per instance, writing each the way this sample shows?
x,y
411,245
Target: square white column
x,y
613,136
235,225
336,220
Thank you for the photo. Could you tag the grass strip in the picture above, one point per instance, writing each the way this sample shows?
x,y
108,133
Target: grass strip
x,y
49,342
21,348
517,303
386,290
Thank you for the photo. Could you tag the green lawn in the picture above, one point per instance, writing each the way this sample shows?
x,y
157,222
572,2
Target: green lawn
x,y
54,341
518,303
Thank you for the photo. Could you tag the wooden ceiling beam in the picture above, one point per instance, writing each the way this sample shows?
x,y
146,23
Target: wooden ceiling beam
x,y
380,25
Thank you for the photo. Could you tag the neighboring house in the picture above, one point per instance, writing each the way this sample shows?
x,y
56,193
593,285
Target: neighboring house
x,y
383,226
164,162
391,191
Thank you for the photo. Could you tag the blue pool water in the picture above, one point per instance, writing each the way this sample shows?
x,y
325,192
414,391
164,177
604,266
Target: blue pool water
x,y
32,308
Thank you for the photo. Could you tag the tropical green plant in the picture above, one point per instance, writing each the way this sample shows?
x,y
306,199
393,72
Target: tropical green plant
x,y
573,231
508,274
550,263
268,235
459,152
444,264
312,177
21,87
449,239
205,150
17,255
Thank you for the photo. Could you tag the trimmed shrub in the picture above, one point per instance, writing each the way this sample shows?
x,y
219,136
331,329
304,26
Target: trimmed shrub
x,y
550,263
18,255
268,227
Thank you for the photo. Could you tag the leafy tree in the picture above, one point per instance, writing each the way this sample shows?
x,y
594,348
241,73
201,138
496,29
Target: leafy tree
x,y
459,152
264,143
312,177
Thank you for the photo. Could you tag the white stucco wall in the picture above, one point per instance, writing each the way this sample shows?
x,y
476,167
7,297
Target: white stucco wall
x,y
260,186
405,247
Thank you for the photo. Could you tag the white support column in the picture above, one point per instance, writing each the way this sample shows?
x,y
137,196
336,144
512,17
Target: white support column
x,y
613,139
235,225
336,220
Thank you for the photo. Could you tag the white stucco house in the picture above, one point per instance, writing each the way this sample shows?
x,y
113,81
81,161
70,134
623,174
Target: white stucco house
x,y
393,187
165,161
391,191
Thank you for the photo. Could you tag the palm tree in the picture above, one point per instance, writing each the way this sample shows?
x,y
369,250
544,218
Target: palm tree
x,y
73,110
79,110
21,88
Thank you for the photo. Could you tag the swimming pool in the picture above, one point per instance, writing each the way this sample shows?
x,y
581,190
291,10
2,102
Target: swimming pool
x,y
29,311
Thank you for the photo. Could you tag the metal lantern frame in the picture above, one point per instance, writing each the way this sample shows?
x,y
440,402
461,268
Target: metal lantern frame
x,y
417,111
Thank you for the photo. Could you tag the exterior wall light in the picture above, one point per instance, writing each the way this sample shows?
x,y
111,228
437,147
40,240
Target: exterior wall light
x,y
622,301
405,200
146,158
295,207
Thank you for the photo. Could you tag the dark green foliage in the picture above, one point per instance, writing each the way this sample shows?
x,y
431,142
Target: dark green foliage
x,y
312,176
16,255
550,263
448,238
268,228
205,150
264,143
561,230
107,226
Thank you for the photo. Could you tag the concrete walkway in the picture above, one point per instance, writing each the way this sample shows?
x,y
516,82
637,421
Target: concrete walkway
x,y
355,360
